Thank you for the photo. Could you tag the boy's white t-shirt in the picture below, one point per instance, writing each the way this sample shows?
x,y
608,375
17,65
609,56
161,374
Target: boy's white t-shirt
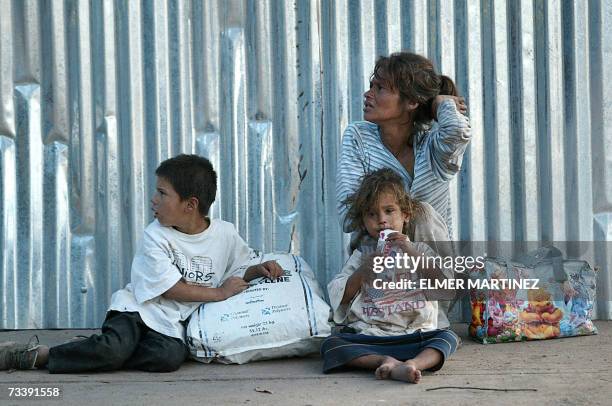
x,y
166,256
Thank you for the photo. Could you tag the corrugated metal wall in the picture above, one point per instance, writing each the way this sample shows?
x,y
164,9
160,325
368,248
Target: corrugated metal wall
x,y
94,94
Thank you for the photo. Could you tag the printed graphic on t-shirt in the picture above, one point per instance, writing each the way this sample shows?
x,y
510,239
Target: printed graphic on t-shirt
x,y
178,259
201,272
198,271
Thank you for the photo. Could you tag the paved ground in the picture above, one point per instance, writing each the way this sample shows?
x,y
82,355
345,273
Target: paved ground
x,y
572,371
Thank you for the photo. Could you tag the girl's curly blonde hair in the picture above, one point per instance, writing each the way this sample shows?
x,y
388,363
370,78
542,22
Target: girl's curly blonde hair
x,y
373,185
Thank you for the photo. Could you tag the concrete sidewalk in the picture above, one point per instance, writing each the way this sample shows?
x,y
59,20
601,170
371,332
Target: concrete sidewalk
x,y
554,372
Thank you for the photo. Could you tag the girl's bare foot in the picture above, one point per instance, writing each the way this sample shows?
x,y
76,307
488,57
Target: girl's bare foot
x,y
407,372
385,368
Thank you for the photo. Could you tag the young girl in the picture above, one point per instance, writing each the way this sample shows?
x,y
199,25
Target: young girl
x,y
397,332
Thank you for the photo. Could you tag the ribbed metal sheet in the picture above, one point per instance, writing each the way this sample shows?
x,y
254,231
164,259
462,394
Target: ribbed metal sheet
x,y
93,95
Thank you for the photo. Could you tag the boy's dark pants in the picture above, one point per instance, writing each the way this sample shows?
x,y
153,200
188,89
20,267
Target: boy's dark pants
x,y
125,343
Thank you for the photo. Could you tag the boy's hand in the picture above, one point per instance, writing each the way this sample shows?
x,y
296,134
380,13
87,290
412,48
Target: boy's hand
x,y
269,269
232,286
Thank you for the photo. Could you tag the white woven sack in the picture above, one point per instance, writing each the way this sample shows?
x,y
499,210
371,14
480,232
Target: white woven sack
x,y
270,319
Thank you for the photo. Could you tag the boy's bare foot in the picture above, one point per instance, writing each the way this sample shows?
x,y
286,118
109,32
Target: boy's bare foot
x,y
399,371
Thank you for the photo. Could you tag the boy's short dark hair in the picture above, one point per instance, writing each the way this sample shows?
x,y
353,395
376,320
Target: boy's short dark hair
x,y
191,176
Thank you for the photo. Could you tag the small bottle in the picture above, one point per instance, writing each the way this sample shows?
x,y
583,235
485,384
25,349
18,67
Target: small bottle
x,y
382,245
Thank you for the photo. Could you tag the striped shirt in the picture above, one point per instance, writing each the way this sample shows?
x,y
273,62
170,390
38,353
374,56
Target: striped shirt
x,y
438,153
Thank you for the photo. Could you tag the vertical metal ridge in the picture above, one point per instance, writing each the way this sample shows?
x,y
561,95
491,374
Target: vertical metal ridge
x,y
355,57
207,84
7,108
310,167
81,306
157,59
433,38
55,78
29,158
185,126
232,130
133,107
259,106
113,256
550,131
210,84
524,122
393,26
461,79
448,45
471,209
601,117
83,133
490,102
579,145
366,53
8,227
208,145
56,282
504,208
375,27
339,69
293,147
556,129
259,134
499,152
32,40
258,50
447,66
285,122
335,105
420,22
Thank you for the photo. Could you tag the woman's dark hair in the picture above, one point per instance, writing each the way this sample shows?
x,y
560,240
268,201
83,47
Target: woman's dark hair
x,y
191,176
416,80
373,185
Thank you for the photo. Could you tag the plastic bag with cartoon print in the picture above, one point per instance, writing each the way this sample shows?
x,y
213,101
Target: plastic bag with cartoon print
x,y
559,305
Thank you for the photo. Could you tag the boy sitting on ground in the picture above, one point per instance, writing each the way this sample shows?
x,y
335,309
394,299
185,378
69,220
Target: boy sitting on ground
x,y
184,259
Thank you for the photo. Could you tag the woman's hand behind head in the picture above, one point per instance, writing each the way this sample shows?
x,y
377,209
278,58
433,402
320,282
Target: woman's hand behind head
x,y
459,102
